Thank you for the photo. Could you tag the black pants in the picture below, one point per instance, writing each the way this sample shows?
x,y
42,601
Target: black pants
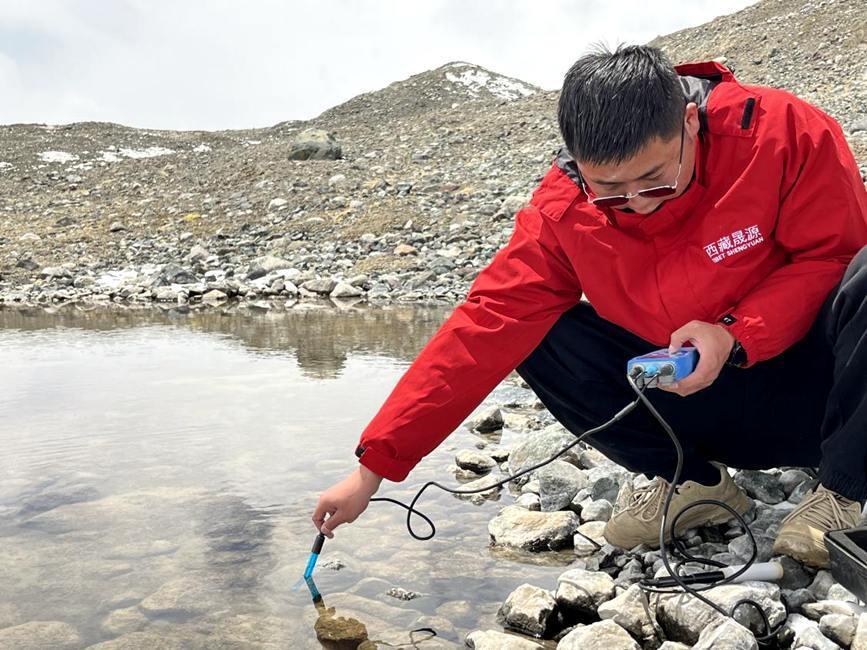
x,y
806,407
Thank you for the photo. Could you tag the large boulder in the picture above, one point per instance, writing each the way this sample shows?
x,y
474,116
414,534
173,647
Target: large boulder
x,y
315,144
684,617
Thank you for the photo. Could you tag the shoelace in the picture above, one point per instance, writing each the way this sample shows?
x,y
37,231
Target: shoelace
x,y
823,509
647,500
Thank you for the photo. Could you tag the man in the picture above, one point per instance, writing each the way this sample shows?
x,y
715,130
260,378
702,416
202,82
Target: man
x,y
687,207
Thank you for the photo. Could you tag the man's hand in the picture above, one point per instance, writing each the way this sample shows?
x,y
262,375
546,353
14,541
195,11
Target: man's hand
x,y
713,342
344,501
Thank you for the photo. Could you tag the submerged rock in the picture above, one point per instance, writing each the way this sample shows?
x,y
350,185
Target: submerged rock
x,y
40,635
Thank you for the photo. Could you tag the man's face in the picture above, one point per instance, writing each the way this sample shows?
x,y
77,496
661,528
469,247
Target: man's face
x,y
655,165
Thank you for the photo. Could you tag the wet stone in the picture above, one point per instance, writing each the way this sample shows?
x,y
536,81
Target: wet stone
x,y
330,628
124,621
184,596
527,610
489,420
40,635
794,574
402,594
474,461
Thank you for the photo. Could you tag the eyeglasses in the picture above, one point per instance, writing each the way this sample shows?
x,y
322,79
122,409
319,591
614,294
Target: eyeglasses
x,y
651,192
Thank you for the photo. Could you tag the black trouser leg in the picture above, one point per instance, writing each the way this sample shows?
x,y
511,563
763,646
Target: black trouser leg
x,y
578,371
844,430
765,416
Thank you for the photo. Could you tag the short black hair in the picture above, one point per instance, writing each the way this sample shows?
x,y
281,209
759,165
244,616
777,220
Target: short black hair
x,y
613,103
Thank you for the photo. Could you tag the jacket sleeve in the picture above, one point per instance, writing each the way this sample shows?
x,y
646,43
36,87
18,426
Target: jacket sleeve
x,y
821,225
511,305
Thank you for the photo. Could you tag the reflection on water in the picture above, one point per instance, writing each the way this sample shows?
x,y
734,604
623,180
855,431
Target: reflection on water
x,y
319,338
160,469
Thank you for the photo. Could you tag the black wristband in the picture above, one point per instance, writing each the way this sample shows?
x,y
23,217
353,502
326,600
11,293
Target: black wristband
x,y
738,356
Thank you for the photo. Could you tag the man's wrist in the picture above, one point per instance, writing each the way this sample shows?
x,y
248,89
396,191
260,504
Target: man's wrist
x,y
369,477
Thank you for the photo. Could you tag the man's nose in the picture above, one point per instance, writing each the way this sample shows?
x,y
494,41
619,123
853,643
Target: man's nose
x,y
642,204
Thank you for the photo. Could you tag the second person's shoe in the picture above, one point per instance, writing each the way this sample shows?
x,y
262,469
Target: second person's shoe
x,y
802,532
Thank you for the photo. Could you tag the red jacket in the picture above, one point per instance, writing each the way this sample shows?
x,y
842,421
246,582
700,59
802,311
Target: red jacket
x,y
774,214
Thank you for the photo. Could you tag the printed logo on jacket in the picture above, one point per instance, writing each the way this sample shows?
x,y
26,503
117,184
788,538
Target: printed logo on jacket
x,y
737,242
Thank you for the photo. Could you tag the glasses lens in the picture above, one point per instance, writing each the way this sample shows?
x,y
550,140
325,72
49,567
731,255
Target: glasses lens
x,y
611,201
656,192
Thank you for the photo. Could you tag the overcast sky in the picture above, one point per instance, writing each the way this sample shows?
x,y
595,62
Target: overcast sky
x,y
215,64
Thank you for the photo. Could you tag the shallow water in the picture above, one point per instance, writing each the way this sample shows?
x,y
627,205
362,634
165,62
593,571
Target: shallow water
x,y
159,471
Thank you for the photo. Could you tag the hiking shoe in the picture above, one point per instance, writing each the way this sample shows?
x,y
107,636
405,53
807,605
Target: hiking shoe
x,y
637,515
802,532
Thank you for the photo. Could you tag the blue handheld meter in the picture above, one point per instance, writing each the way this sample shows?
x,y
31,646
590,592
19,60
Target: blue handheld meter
x,y
663,366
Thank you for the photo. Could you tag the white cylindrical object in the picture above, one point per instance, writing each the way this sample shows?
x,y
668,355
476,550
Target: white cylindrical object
x,y
762,571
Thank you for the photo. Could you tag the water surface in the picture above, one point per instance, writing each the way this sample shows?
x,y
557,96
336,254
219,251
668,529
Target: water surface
x,y
159,470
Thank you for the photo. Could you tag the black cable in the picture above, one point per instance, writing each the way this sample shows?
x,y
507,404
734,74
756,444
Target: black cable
x,y
639,383
410,509
769,634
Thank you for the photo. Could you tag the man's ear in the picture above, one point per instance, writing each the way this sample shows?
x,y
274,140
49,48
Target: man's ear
x,y
692,122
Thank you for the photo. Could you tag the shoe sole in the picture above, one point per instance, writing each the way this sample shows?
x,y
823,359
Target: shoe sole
x,y
720,516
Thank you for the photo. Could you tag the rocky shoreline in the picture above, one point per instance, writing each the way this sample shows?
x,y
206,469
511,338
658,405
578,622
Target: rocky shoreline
x,y
596,602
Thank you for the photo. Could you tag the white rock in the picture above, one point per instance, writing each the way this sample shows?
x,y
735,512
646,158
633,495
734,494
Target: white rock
x,y
527,609
860,640
840,628
807,633
631,611
605,635
533,531
593,530
683,617
726,634
494,640
584,591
